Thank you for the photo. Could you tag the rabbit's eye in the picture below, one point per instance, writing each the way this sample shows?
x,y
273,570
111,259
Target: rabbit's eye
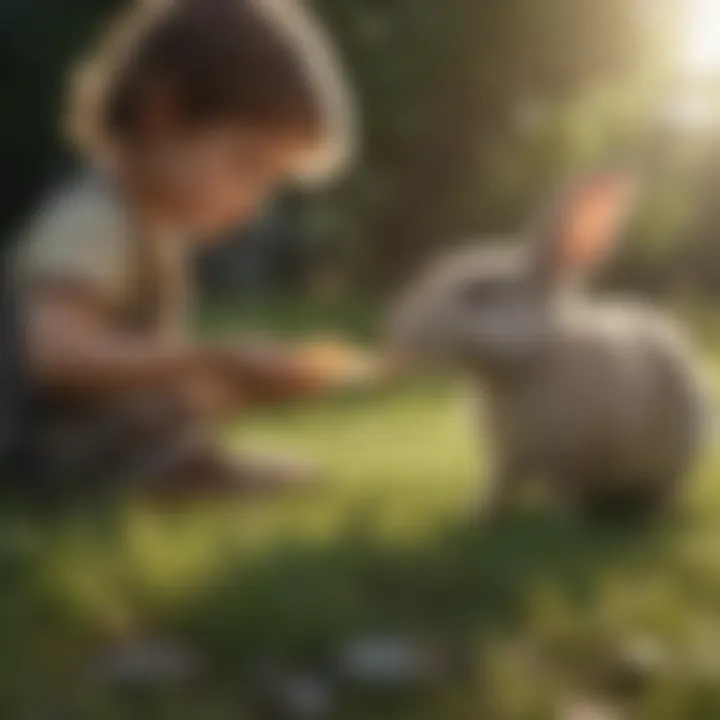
x,y
479,292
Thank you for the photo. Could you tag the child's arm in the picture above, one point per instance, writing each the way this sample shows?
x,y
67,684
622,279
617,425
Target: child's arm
x,y
74,350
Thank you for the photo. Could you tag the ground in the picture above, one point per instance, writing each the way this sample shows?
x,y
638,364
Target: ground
x,y
537,610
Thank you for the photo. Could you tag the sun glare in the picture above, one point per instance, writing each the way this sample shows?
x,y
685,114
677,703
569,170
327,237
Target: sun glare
x,y
701,55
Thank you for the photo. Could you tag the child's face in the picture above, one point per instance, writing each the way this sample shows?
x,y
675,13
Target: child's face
x,y
213,179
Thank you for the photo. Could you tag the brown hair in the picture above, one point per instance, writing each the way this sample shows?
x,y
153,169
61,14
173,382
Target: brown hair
x,y
265,62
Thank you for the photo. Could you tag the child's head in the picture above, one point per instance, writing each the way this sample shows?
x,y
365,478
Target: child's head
x,y
214,103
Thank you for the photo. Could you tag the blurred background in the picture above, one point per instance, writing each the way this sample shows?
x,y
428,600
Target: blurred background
x,y
472,112
383,601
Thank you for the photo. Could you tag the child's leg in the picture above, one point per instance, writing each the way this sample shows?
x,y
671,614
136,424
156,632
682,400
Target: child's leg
x,y
155,444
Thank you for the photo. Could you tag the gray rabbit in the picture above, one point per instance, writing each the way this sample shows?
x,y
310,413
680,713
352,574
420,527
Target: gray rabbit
x,y
600,401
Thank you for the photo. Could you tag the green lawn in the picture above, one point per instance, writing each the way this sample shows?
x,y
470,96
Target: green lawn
x,y
541,609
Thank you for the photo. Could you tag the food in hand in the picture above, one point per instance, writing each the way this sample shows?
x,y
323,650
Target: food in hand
x,y
338,364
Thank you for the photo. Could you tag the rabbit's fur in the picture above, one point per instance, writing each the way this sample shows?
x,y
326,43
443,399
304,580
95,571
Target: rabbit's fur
x,y
600,401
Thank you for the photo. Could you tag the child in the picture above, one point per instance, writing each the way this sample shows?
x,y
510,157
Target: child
x,y
192,113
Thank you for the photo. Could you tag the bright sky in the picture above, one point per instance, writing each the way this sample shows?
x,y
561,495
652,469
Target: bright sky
x,y
701,54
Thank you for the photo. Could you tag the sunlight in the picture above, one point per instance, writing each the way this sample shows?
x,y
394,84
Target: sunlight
x,y
701,54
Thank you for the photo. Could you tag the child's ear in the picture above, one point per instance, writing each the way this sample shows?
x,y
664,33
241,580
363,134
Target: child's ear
x,y
583,227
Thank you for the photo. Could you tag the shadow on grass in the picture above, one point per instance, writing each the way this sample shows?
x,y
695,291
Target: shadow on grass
x,y
299,601
465,580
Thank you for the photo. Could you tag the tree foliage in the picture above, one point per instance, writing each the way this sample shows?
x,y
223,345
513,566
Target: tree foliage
x,y
459,101
469,109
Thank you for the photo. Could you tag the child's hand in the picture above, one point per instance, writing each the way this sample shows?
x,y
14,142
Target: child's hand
x,y
271,372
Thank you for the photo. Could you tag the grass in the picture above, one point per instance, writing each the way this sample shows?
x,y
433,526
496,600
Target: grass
x,y
540,609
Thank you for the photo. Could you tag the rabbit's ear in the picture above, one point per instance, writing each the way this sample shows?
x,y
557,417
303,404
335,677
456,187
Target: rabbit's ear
x,y
582,228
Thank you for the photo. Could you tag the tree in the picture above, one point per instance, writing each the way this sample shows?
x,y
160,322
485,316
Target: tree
x,y
441,85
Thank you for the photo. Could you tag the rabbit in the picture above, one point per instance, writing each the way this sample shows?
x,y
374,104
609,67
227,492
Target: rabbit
x,y
599,400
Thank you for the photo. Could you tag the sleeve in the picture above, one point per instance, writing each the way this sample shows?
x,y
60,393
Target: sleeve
x,y
80,237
